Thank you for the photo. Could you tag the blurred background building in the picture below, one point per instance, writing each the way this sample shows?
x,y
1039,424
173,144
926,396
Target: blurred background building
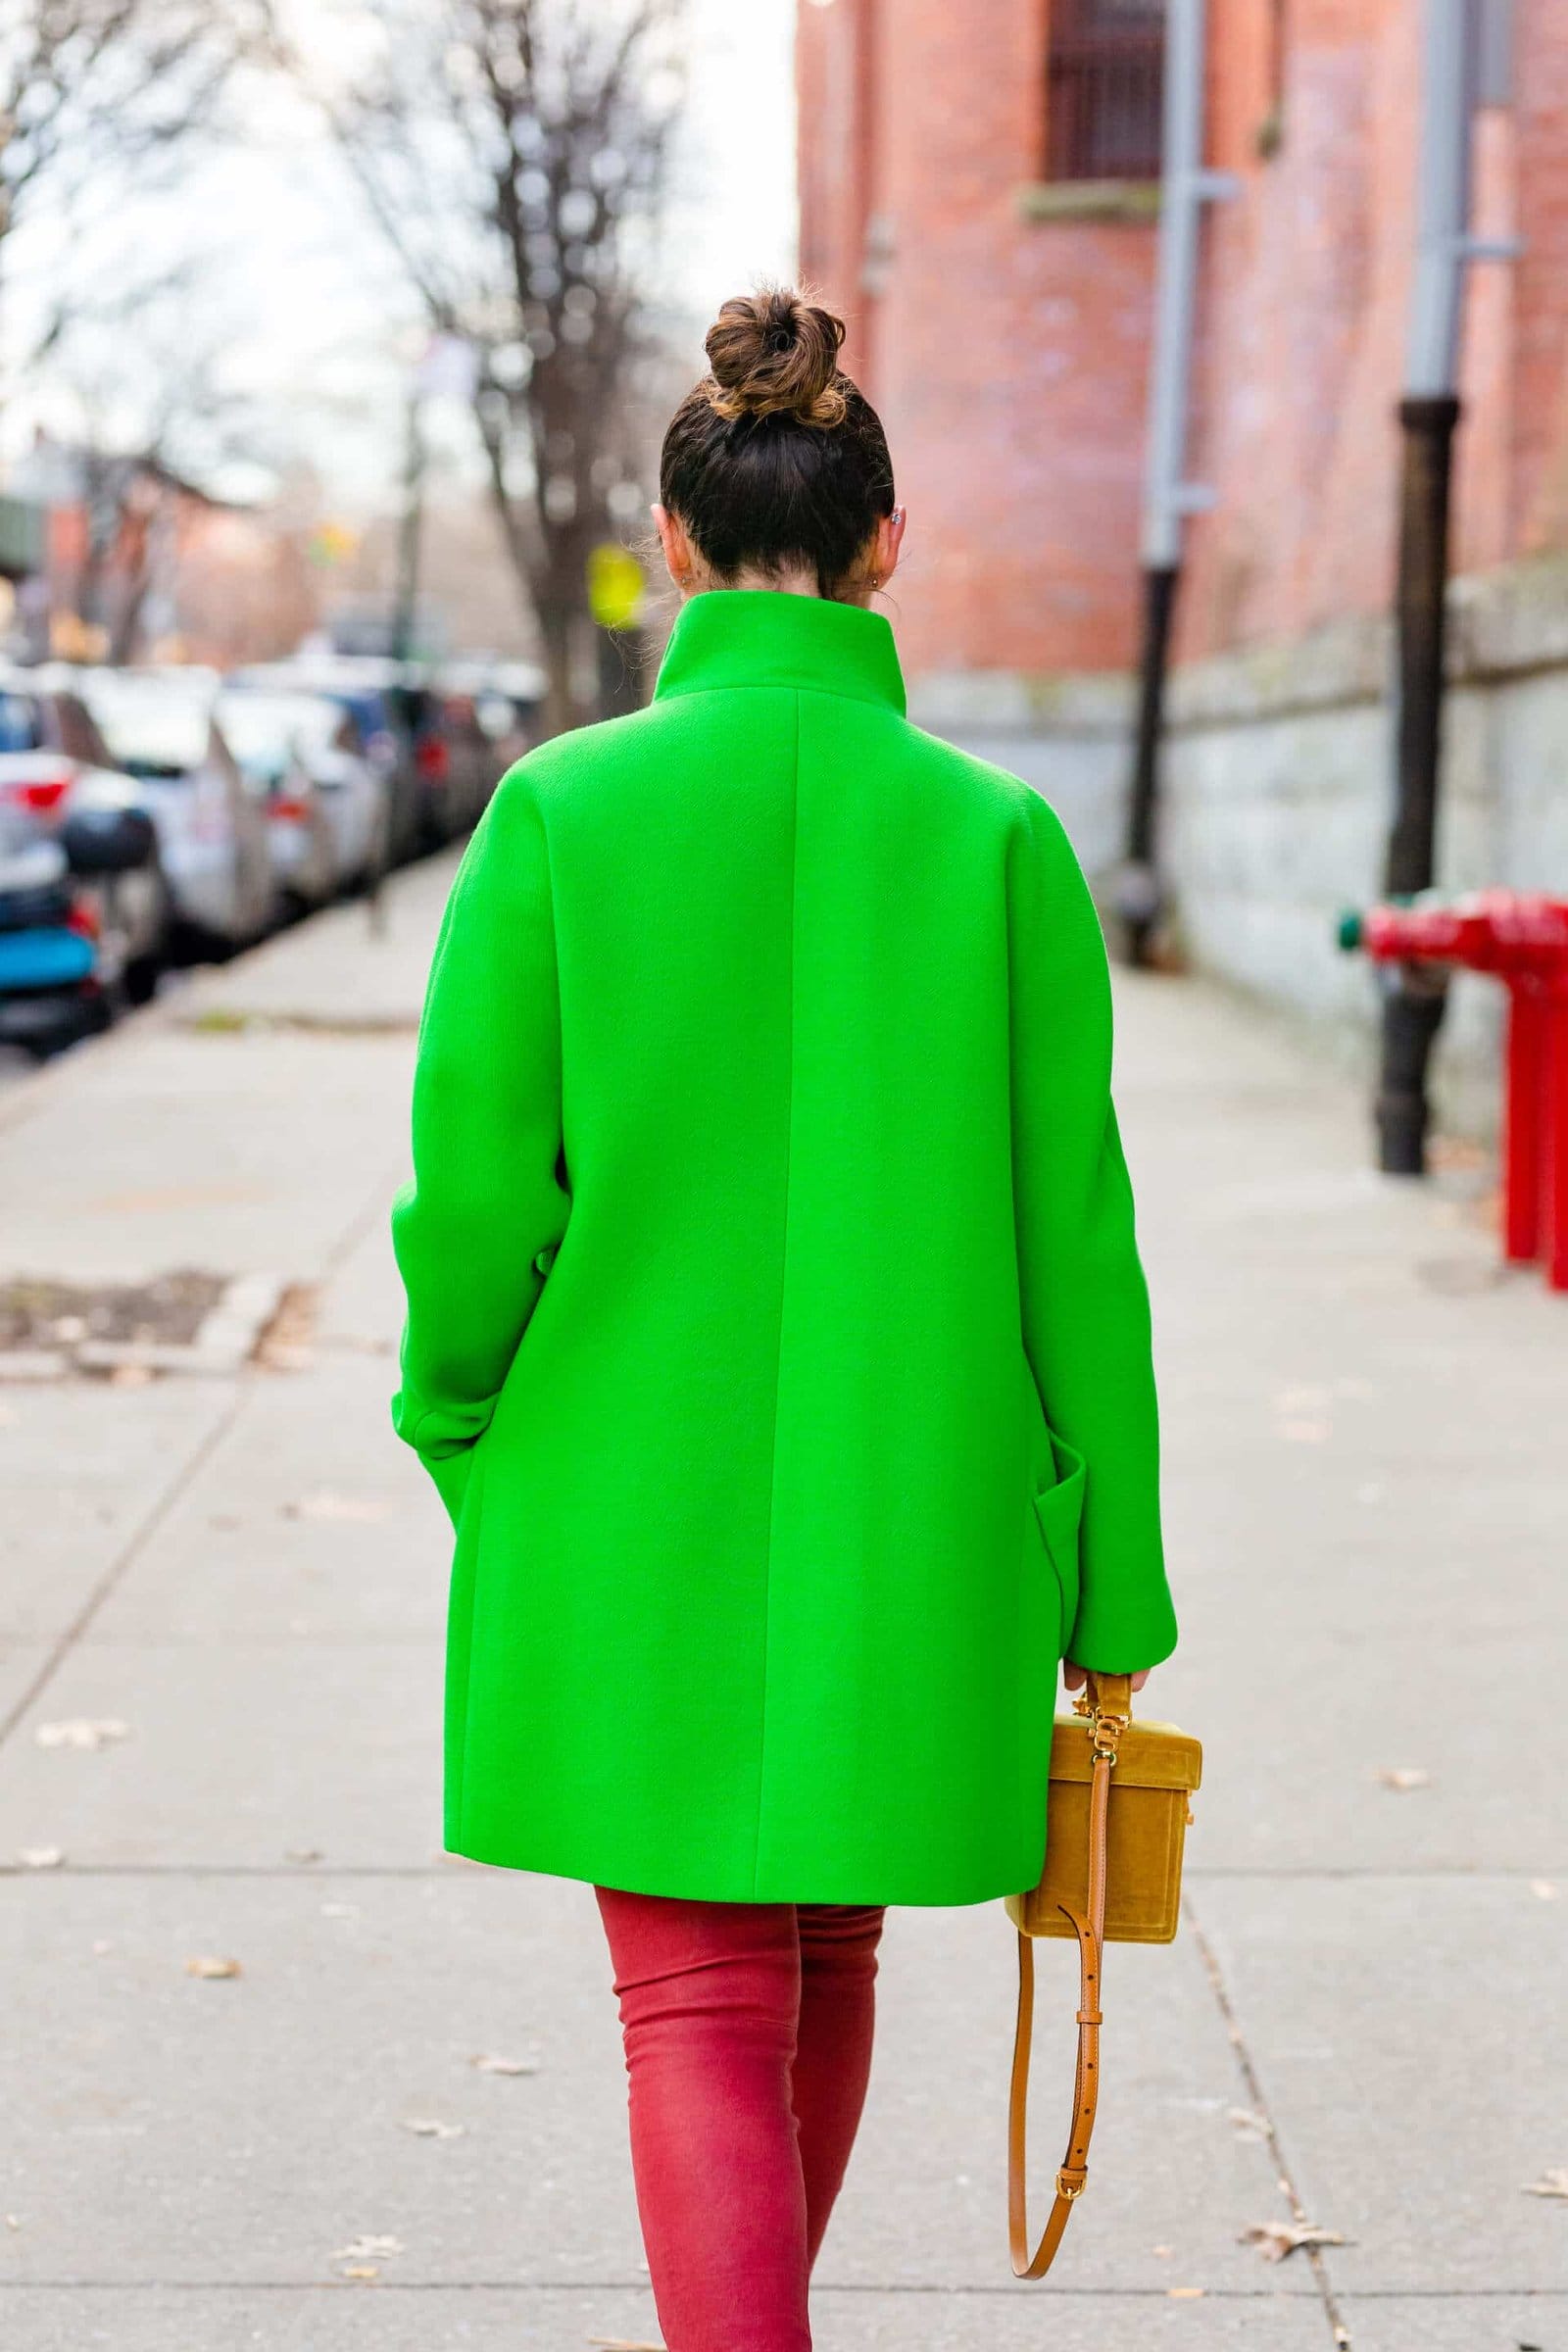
x,y
980,192
133,560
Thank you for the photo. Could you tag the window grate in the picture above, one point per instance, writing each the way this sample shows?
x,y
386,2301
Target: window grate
x,y
1104,88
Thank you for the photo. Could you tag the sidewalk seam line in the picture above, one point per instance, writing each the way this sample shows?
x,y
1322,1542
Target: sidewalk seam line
x,y
147,1526
1284,2173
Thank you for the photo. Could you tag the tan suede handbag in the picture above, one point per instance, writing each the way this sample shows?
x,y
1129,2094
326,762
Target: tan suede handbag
x,y
1117,1812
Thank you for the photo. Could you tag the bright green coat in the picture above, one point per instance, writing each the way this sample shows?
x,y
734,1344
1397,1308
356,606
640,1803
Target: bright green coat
x,y
766,1181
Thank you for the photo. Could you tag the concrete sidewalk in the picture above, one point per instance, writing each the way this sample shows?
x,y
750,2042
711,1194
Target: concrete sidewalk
x,y
1362,2027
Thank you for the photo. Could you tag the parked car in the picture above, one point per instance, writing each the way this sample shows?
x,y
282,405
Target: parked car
x,y
212,827
50,991
502,701
364,690
326,805
477,728
63,954
54,765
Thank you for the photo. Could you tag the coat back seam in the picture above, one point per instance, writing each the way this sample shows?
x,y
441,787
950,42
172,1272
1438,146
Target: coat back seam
x,y
783,1295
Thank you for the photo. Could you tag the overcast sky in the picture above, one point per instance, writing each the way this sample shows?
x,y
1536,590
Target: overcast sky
x,y
298,312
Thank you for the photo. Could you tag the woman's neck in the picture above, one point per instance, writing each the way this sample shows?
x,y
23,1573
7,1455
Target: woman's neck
x,y
781,583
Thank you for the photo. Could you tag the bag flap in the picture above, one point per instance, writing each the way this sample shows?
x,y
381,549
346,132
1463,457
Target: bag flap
x,y
1149,1755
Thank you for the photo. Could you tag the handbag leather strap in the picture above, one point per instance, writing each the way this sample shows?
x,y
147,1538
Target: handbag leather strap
x,y
1109,1700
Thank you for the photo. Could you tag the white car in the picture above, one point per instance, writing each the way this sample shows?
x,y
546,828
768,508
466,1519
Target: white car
x,y
211,821
305,749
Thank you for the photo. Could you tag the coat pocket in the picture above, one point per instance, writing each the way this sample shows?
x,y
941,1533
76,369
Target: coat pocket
x,y
453,1473
1059,1510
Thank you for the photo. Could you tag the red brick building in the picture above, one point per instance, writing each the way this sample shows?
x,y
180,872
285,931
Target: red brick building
x,y
997,279
979,195
1006,351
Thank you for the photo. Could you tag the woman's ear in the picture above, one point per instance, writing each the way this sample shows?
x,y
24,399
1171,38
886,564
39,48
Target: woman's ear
x,y
885,547
676,546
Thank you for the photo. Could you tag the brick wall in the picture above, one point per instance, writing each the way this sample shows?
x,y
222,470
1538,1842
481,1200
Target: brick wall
x,y
1010,353
1007,355
1303,324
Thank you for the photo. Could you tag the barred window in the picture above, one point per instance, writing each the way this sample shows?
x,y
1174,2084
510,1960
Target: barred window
x,y
1105,81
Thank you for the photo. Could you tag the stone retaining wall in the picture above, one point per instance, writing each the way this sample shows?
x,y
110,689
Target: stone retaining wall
x,y
1277,796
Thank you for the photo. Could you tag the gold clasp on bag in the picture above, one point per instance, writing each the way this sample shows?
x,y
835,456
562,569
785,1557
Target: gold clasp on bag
x,y
1108,1730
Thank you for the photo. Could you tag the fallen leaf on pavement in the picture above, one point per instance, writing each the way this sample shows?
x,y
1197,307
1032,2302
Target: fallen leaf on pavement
x,y
367,2247
1275,2240
338,1508
1186,2294
1550,2185
490,2063
40,1857
1405,1776
211,1964
1164,2252
131,1376
302,1853
285,1345
81,1730
426,2127
360,2269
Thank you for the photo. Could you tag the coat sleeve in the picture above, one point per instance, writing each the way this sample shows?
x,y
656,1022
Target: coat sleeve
x,y
1084,1301
488,1193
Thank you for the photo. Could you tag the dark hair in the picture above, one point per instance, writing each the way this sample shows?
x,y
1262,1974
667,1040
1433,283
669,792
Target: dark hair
x,y
776,461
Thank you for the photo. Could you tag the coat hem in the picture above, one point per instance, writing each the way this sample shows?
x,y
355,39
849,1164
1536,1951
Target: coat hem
x,y
850,1886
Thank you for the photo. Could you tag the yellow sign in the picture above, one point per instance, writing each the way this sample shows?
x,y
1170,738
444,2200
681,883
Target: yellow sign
x,y
615,586
332,543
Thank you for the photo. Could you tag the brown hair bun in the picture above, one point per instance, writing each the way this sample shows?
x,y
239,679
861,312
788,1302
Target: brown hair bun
x,y
774,353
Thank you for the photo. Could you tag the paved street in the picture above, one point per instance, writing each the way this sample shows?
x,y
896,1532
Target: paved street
x,y
1362,2026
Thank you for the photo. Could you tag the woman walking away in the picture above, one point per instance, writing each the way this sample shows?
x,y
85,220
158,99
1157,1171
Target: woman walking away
x,y
777,1333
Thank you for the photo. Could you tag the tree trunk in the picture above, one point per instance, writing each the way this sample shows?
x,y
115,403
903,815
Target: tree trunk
x,y
556,632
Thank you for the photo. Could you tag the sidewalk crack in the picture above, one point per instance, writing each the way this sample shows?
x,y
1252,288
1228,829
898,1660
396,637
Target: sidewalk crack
x,y
127,1556
1247,2067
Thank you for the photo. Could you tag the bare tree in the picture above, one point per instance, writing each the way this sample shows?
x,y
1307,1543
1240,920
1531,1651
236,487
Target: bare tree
x,y
153,416
515,154
84,81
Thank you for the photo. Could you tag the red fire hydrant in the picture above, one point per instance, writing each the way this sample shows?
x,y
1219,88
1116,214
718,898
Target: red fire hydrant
x,y
1522,940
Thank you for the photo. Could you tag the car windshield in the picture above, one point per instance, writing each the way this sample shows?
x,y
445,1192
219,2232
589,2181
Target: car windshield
x,y
151,729
18,722
264,730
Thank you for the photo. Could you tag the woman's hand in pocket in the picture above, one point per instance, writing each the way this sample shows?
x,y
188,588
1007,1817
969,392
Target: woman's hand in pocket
x,y
1074,1677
